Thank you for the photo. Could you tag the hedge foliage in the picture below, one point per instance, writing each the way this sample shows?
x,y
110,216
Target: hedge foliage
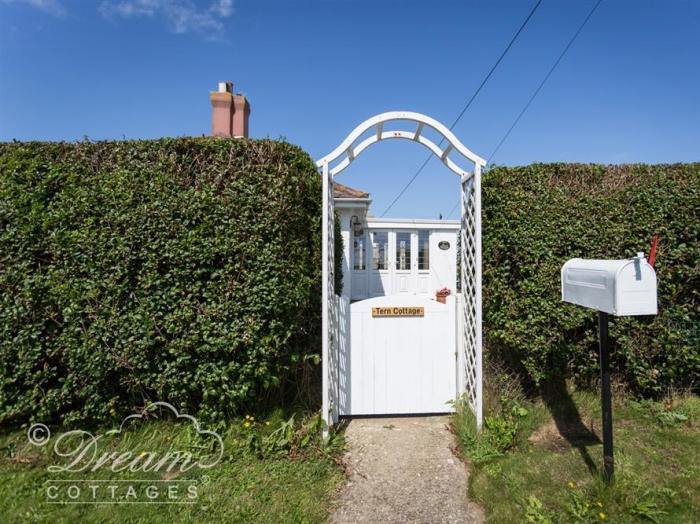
x,y
537,217
184,270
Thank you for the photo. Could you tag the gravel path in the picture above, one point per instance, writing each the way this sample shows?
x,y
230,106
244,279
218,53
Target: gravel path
x,y
403,470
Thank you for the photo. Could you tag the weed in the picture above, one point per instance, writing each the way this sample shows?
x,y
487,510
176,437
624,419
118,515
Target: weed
x,y
581,509
289,438
647,509
500,431
665,414
671,418
535,511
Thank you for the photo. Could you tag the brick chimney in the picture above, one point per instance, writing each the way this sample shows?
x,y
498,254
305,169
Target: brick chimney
x,y
229,112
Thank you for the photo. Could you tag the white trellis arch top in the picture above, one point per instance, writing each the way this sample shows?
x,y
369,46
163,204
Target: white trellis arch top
x,y
352,150
335,309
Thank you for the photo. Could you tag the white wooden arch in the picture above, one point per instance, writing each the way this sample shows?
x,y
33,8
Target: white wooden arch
x,y
352,150
470,315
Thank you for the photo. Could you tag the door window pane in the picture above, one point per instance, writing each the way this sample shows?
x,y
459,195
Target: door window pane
x,y
424,250
358,250
403,251
380,250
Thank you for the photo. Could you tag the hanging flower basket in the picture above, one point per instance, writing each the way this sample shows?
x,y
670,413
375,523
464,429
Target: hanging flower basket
x,y
441,295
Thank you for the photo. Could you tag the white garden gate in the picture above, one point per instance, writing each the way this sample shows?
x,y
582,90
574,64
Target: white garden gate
x,y
336,310
400,358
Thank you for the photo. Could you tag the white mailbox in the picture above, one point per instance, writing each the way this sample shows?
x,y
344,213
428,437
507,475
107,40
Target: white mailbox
x,y
619,287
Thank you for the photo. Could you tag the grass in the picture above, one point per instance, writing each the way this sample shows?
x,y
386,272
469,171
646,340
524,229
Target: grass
x,y
272,471
541,461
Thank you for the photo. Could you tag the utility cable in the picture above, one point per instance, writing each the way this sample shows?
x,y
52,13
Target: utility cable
x,y
539,88
469,102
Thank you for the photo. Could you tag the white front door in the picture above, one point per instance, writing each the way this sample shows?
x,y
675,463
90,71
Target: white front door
x,y
393,263
404,263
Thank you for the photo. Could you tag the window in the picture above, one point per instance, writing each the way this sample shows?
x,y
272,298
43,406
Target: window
x,y
380,250
403,251
358,249
424,250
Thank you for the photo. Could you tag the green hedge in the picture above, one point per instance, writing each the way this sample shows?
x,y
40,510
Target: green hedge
x,y
184,270
537,217
188,270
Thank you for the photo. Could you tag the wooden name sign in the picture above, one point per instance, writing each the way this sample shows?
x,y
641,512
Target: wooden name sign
x,y
398,311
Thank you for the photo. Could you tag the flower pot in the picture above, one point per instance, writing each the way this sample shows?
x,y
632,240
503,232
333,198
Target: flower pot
x,y
441,297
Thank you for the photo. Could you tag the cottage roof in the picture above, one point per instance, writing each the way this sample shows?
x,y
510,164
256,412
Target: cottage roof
x,y
343,191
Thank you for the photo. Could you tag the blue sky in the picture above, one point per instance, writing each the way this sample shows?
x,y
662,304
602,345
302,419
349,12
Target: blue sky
x,y
627,91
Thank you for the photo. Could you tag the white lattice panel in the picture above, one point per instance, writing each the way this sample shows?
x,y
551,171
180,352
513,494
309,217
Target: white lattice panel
x,y
331,334
470,256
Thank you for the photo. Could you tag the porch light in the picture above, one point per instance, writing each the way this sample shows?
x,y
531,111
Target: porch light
x,y
356,225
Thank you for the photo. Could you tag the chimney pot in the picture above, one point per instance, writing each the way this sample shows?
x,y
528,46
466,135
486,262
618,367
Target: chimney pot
x,y
226,87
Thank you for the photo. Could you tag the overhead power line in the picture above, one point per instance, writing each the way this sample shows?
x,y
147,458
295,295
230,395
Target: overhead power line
x,y
539,88
469,102
544,80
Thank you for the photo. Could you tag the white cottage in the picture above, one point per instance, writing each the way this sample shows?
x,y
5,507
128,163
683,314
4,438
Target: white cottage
x,y
389,256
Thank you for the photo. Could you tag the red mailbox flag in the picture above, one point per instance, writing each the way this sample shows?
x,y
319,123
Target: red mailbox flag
x,y
652,252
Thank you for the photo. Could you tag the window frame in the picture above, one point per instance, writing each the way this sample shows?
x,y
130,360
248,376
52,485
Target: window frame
x,y
387,250
408,255
425,259
362,237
